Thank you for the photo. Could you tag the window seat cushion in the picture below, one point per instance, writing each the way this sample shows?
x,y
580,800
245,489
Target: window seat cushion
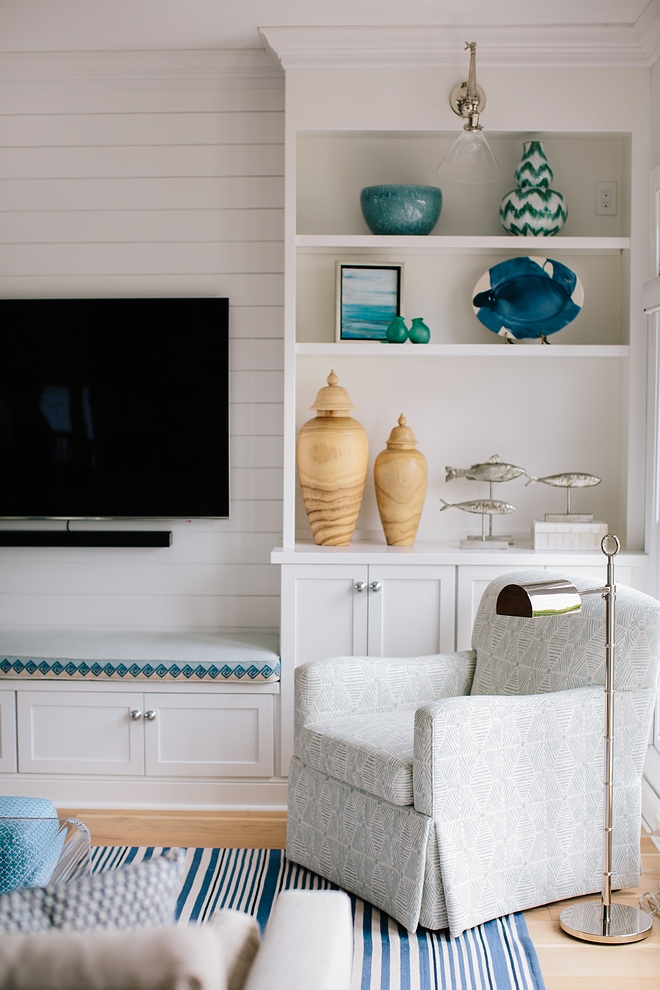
x,y
246,658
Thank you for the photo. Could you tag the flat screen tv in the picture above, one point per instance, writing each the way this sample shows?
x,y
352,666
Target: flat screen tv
x,y
114,408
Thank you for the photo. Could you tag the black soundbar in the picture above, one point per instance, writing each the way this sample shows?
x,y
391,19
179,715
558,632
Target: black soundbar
x,y
85,538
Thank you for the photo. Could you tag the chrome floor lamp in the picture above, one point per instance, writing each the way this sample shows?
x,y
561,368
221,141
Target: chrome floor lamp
x,y
604,920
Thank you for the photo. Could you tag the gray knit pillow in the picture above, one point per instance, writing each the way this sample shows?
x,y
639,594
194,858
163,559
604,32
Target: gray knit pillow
x,y
139,896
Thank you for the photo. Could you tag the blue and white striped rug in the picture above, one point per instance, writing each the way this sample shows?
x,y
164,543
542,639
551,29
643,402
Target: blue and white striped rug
x,y
496,956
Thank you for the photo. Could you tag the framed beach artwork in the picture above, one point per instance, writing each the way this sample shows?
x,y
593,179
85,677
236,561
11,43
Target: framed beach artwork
x,y
368,299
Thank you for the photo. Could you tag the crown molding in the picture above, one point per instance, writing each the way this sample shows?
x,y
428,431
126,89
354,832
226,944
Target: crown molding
x,y
435,46
190,69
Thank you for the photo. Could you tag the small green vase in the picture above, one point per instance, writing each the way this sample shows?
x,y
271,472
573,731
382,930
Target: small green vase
x,y
419,332
397,332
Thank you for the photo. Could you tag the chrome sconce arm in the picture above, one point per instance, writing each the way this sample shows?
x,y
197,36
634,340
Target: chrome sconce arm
x,y
592,921
470,158
467,99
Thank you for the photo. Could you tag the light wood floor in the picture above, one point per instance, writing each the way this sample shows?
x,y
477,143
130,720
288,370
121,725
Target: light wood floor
x,y
566,963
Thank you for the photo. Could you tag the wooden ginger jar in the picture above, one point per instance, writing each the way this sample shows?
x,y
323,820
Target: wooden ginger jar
x,y
333,455
400,475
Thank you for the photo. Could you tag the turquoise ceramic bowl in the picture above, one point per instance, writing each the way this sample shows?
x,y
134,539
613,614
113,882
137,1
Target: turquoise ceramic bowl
x,y
401,209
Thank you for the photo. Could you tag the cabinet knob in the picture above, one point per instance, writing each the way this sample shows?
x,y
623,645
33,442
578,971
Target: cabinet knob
x,y
136,714
360,585
150,716
375,586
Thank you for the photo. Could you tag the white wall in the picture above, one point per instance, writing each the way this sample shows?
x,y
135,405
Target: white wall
x,y
155,173
655,114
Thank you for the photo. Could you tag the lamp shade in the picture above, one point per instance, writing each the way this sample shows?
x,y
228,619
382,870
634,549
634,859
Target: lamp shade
x,y
470,159
529,601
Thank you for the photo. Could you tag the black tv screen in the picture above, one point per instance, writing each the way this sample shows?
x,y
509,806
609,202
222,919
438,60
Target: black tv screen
x,y
114,408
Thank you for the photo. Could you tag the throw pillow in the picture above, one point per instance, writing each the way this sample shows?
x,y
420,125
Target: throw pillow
x,y
140,896
238,935
166,959
29,842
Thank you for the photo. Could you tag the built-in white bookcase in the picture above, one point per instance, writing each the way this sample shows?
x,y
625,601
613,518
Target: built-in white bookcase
x,y
578,404
467,394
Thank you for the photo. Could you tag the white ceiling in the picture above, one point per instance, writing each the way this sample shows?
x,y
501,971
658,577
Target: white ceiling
x,y
110,25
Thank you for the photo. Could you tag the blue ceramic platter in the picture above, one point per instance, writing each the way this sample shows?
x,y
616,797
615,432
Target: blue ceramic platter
x,y
527,297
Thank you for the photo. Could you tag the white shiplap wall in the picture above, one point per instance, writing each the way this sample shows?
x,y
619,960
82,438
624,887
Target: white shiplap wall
x,y
155,173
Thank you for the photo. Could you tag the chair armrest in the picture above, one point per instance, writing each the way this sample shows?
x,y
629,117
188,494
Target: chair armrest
x,y
514,785
463,744
344,686
308,944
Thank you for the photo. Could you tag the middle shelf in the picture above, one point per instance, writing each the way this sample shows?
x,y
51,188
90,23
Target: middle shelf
x,y
532,350
438,280
448,243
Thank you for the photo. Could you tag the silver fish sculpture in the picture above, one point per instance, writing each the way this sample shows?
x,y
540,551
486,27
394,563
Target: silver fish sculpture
x,y
571,480
486,506
494,469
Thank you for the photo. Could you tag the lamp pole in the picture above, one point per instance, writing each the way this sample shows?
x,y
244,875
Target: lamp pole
x,y
607,922
592,921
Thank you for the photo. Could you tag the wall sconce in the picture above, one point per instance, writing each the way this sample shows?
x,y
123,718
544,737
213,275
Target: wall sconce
x,y
591,921
469,159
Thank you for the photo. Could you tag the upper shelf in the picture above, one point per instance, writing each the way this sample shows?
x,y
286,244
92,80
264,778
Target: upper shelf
x,y
439,243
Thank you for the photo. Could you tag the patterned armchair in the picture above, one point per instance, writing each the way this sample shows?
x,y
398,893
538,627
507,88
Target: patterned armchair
x,y
448,790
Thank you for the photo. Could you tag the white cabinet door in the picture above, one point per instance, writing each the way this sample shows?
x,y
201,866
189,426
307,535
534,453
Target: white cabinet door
x,y
7,732
472,582
331,614
195,735
323,615
411,610
89,732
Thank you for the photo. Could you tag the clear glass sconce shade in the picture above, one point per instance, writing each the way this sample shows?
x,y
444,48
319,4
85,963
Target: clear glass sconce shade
x,y
470,159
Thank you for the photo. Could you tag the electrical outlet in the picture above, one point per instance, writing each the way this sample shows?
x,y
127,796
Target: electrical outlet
x,y
606,205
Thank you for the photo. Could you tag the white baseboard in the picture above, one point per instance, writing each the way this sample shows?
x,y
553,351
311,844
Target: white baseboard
x,y
146,793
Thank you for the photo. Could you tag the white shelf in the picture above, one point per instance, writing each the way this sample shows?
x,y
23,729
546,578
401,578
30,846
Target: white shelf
x,y
438,552
505,243
376,348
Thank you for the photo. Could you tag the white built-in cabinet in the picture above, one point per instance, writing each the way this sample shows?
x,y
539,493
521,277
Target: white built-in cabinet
x,y
141,744
110,732
370,610
382,602
7,732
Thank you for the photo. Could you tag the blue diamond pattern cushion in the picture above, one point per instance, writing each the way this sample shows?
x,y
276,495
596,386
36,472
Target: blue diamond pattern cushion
x,y
237,657
29,842
135,897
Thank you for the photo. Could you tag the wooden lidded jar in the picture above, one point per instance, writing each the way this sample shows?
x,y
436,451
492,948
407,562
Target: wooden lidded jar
x,y
333,455
400,475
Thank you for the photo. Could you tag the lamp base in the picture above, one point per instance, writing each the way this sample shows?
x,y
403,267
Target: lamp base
x,y
587,922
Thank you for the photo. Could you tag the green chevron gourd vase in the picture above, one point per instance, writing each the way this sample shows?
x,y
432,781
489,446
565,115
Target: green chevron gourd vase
x,y
533,209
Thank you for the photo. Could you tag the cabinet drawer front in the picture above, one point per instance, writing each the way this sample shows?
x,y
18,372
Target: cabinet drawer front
x,y
79,732
209,736
7,732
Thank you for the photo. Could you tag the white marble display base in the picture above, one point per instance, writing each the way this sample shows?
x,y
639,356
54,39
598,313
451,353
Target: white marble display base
x,y
503,538
567,535
564,517
490,543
